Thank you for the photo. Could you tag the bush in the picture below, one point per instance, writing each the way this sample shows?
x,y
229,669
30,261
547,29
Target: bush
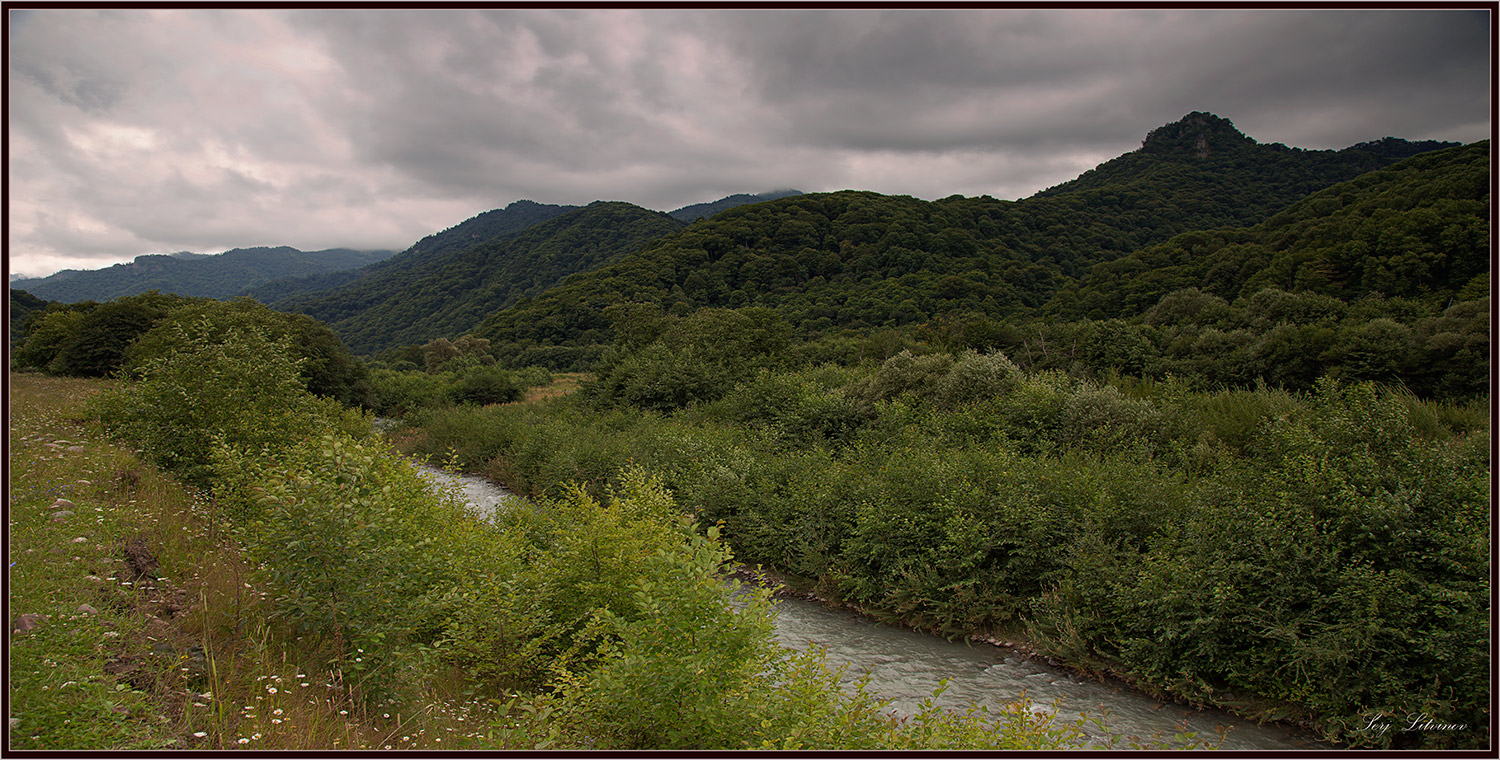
x,y
485,385
401,392
236,388
324,364
900,375
975,377
357,546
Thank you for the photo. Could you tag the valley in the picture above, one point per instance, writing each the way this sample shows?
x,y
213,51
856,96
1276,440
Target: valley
x,y
1212,419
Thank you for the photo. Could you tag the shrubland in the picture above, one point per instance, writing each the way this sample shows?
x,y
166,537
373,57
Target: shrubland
x,y
592,618
1318,556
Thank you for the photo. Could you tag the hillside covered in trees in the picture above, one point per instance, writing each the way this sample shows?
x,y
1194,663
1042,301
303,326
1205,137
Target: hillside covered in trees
x,y
211,276
999,272
447,288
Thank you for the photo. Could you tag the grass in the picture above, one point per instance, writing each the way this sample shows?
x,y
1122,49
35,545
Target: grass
x,y
562,384
141,627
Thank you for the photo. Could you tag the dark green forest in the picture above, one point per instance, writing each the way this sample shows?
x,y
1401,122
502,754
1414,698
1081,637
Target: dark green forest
x,y
451,288
1393,263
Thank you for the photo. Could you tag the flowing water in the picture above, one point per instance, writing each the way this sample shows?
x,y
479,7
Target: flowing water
x,y
906,666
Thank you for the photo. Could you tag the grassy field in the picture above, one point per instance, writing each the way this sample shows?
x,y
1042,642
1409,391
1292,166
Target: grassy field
x,y
562,384
135,624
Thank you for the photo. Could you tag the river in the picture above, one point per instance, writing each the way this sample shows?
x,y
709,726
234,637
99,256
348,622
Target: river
x,y
906,666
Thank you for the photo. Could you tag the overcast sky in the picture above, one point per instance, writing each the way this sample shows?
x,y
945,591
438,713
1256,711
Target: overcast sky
x,y
152,131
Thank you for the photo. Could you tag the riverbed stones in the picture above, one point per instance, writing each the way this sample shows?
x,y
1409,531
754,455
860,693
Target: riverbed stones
x,y
62,504
85,609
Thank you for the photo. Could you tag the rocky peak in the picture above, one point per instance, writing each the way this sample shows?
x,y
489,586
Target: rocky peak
x,y
1197,135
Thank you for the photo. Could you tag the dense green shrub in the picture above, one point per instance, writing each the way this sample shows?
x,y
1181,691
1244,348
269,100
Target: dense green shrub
x,y
325,365
667,363
91,339
217,387
47,333
485,385
1342,576
977,377
795,408
902,374
400,392
357,545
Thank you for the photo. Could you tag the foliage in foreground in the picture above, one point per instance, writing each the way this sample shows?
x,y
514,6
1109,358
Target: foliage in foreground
x,y
213,388
607,622
1279,554
102,339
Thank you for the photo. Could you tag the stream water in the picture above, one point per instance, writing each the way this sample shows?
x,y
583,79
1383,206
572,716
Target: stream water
x,y
906,666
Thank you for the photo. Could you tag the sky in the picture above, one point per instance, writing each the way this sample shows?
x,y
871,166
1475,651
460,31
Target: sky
x,y
135,131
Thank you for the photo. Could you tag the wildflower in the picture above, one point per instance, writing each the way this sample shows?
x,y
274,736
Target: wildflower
x,y
243,740
271,689
277,711
200,734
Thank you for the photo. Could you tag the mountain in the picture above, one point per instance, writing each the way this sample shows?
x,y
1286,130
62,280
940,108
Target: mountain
x,y
1229,176
22,306
208,275
286,288
859,259
698,211
445,287
298,292
480,228
1418,229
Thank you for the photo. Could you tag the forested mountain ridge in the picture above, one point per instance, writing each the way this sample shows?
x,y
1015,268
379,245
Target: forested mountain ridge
x,y
302,292
1418,229
306,293
1231,177
453,286
480,228
860,260
210,276
696,211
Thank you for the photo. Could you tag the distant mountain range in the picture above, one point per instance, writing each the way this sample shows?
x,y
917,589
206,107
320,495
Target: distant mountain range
x,y
704,210
191,274
276,274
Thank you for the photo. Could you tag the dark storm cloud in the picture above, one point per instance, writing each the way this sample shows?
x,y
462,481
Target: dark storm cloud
x,y
1012,80
140,131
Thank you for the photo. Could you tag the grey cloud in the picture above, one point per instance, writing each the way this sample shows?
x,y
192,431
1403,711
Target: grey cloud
x,y
195,129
